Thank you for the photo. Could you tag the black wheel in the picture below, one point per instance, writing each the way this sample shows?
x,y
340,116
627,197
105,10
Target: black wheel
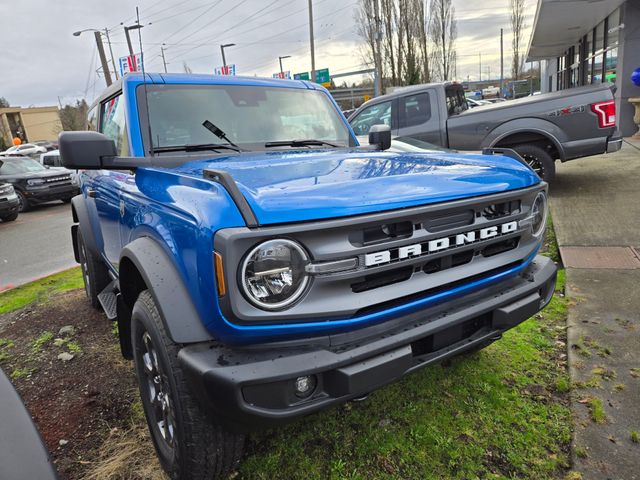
x,y
9,218
23,202
94,272
188,441
539,160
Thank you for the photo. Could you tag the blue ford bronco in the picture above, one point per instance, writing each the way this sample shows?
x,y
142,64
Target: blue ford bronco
x,y
261,265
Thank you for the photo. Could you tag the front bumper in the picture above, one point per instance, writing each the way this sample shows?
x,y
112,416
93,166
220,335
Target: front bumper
x,y
614,143
253,387
51,193
9,206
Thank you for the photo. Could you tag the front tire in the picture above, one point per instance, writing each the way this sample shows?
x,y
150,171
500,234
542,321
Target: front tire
x,y
9,218
188,441
94,273
23,202
539,160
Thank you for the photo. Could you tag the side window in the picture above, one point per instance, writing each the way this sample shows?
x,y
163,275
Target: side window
x,y
374,115
113,124
92,119
456,103
414,110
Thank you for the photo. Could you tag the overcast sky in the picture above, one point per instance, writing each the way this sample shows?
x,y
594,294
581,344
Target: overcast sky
x,y
42,63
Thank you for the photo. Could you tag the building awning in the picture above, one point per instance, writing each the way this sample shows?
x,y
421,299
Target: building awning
x,y
561,23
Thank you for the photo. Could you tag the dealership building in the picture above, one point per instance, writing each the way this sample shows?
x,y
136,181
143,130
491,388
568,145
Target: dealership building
x,y
581,42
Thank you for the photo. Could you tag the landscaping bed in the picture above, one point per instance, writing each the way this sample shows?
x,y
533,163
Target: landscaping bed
x,y
498,413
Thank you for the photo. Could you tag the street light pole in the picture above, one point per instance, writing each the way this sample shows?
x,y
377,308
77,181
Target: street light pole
x,y
313,51
222,47
126,34
103,59
137,26
280,60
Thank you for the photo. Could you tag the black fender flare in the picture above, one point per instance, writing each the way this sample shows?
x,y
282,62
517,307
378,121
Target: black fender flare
x,y
81,217
179,315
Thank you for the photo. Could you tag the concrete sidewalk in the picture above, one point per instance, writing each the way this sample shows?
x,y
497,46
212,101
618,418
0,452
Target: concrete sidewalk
x,y
595,205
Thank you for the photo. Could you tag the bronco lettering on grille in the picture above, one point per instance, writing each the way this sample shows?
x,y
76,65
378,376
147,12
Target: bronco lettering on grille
x,y
431,246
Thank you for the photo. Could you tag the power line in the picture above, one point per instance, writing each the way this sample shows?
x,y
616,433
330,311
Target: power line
x,y
215,37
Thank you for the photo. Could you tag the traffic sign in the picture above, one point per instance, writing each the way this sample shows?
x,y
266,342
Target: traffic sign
x,y
225,70
301,76
131,63
323,78
283,75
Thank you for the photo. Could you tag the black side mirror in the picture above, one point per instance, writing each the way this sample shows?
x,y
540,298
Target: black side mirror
x,y
49,161
380,136
85,149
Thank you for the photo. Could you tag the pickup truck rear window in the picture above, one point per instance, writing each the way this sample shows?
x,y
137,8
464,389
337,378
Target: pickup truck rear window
x,y
250,116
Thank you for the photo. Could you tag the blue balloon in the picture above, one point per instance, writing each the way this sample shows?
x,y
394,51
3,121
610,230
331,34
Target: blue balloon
x,y
635,77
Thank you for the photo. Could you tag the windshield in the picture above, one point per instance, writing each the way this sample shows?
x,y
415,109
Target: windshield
x,y
250,116
19,165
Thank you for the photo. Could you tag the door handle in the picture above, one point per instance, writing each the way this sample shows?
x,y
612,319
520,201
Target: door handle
x,y
91,193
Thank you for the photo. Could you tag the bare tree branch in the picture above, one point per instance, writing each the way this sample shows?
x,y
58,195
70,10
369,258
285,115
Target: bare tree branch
x,y
443,31
517,26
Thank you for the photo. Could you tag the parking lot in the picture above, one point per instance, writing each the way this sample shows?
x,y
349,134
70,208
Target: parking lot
x,y
36,244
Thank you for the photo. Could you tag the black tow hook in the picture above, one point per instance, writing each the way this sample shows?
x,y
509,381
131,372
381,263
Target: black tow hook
x,y
497,336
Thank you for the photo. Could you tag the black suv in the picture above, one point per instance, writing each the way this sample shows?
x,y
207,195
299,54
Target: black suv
x,y
34,183
9,203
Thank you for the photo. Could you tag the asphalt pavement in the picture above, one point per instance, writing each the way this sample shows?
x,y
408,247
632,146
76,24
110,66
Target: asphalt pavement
x,y
595,205
37,244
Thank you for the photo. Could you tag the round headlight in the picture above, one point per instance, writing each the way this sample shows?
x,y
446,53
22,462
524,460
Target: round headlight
x,y
273,274
539,214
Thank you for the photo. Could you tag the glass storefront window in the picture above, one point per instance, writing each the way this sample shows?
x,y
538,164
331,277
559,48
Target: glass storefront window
x,y
597,69
610,62
613,31
600,37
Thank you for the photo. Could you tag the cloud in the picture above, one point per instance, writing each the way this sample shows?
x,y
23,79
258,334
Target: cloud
x,y
42,62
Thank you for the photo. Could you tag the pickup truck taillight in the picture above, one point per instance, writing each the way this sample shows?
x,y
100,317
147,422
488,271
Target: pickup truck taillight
x,y
606,112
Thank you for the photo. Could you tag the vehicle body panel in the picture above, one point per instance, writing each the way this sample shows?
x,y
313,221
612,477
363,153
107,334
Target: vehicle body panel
x,y
564,118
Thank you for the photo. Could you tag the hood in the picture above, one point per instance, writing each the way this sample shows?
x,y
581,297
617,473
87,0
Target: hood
x,y
284,187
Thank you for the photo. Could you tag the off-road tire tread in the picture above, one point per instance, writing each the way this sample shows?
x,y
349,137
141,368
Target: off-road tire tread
x,y
9,218
215,451
544,156
97,274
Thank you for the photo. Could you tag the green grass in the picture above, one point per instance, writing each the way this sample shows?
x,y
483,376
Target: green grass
x,y
596,410
635,436
41,341
40,290
477,418
19,373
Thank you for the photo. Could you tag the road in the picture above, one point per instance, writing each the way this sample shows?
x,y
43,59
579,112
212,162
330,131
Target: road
x,y
38,243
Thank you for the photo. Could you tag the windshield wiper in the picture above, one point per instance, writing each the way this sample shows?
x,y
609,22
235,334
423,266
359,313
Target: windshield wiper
x,y
197,148
219,133
300,143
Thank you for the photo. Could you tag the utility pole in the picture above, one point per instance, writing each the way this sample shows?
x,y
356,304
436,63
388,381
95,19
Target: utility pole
x,y
113,60
501,60
313,50
103,59
164,60
377,86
